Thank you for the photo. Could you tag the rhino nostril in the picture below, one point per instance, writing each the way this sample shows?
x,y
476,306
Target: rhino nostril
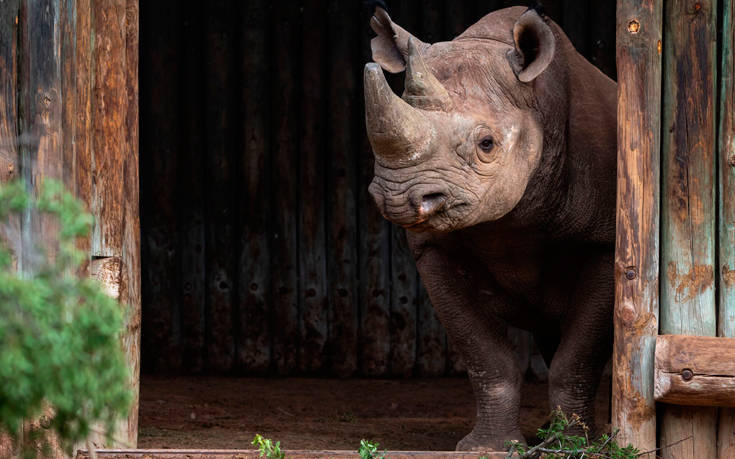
x,y
432,203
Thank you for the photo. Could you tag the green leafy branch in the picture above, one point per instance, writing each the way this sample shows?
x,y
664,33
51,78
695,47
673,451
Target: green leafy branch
x,y
60,350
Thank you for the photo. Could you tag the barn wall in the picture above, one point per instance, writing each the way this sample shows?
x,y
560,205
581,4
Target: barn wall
x,y
262,251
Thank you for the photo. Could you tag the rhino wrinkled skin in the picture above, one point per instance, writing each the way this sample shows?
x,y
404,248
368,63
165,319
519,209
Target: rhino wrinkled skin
x,y
499,159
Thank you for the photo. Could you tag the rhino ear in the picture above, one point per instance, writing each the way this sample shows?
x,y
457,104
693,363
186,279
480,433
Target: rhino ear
x,y
534,46
390,47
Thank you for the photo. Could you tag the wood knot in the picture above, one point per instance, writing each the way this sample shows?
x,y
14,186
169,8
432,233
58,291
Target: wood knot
x,y
634,26
628,313
687,374
731,161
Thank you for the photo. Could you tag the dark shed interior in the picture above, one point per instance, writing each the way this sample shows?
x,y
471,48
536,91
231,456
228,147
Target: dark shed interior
x,y
262,251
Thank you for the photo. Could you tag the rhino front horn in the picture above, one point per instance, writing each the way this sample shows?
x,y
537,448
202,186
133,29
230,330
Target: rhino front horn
x,y
423,90
398,132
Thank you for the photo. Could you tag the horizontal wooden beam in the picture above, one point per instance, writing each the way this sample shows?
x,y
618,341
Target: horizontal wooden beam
x,y
296,454
695,370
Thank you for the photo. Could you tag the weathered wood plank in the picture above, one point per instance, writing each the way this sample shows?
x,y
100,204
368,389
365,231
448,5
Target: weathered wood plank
x,y
108,125
374,249
312,250
726,162
695,370
9,161
67,32
602,37
457,17
83,115
284,246
130,289
254,346
190,192
639,29
342,229
688,203
219,205
483,7
39,116
160,130
575,14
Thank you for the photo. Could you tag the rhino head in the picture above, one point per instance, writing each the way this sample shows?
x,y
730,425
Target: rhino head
x,y
462,144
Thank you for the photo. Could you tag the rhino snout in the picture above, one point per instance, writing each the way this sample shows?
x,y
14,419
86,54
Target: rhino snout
x,y
409,207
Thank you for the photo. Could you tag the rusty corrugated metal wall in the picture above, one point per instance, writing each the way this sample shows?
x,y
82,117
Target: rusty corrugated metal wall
x,y
262,252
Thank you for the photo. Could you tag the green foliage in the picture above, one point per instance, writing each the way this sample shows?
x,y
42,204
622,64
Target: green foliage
x,y
558,443
267,448
369,450
59,334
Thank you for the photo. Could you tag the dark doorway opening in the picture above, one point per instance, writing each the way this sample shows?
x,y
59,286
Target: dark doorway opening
x,y
263,255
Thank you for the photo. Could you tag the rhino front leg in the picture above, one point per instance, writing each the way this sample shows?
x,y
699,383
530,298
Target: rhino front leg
x,y
482,341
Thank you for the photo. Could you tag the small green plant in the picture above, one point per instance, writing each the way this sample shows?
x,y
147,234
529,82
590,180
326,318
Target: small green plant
x,y
369,450
558,443
267,448
60,352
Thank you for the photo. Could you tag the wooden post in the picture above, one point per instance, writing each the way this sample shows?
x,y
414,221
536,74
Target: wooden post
x,y
69,103
636,247
726,162
8,90
695,371
688,205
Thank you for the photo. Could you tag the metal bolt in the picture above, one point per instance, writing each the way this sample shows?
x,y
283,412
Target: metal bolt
x,y
630,273
634,26
687,374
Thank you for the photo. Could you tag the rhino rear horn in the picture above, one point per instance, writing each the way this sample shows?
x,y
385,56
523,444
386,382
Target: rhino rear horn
x,y
423,90
535,45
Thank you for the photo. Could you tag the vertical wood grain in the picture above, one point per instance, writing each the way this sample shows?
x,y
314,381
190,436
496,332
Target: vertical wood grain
x,y
190,190
342,263
639,29
285,176
688,203
9,163
83,115
160,131
254,287
602,37
312,249
108,125
726,163
219,198
40,107
575,15
374,247
130,290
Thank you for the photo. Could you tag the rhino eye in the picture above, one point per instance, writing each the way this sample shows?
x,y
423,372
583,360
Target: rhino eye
x,y
486,144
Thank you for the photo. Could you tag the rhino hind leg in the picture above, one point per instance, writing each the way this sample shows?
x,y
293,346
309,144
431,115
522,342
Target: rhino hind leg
x,y
586,345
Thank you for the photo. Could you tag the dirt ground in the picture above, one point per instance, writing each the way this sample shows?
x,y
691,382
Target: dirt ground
x,y
417,414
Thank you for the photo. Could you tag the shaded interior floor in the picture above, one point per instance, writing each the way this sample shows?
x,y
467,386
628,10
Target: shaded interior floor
x,y
308,413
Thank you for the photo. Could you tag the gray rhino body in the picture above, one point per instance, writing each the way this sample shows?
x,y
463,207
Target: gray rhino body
x,y
500,160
